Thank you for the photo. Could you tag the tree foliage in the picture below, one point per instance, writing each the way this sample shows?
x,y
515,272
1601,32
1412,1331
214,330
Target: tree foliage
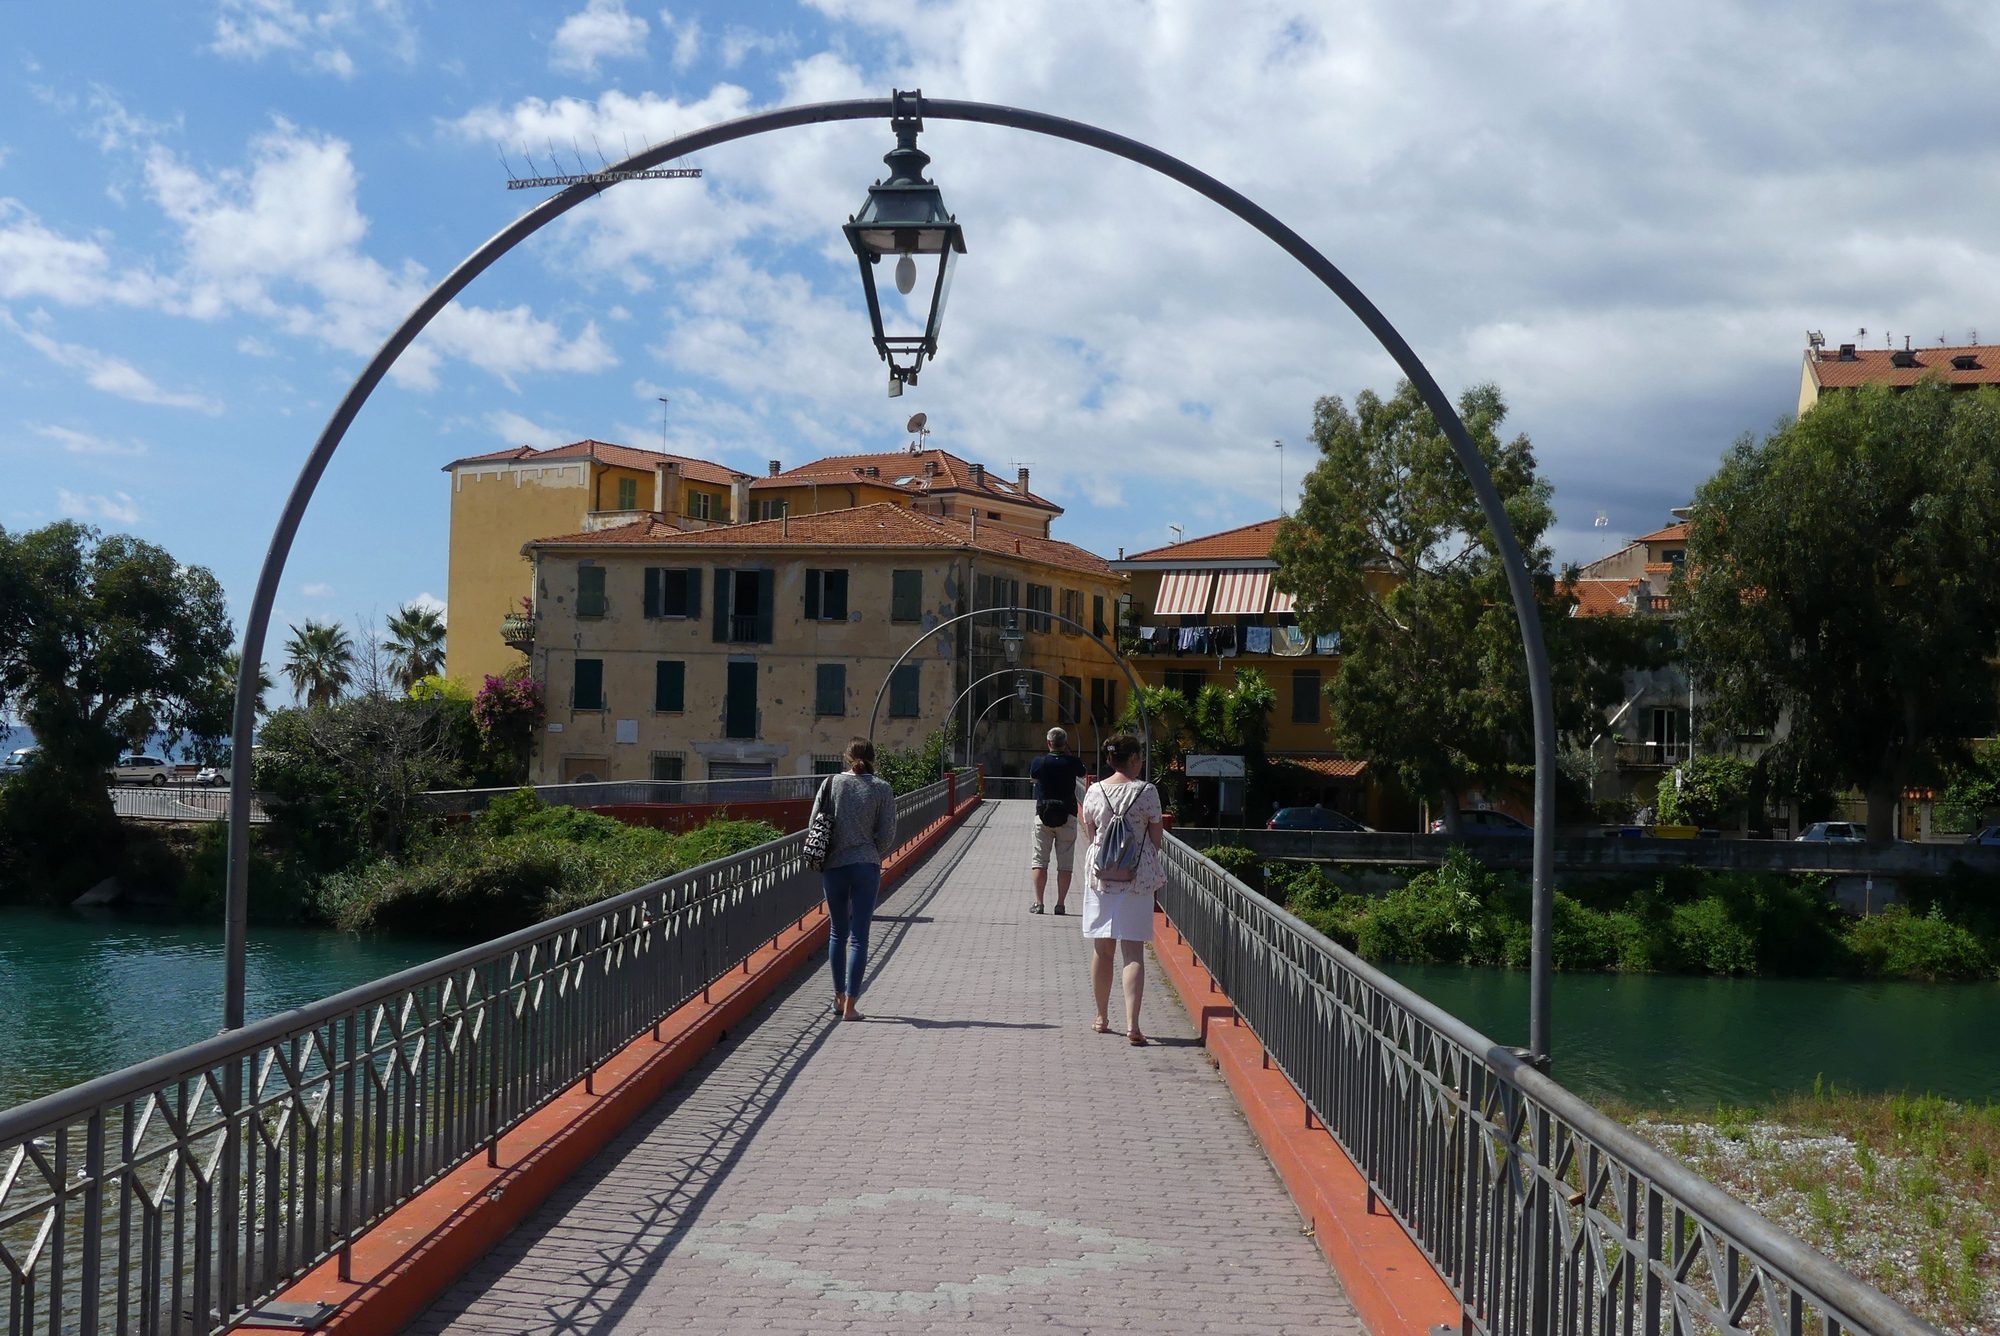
x,y
319,662
1236,718
106,640
1840,579
415,645
1712,791
1390,549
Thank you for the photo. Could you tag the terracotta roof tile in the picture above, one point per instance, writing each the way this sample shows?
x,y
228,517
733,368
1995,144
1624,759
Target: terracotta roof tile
x,y
1332,767
1673,533
882,525
1601,598
1247,541
619,456
904,470
1876,366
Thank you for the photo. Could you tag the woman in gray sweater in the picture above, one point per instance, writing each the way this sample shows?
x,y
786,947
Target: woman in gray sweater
x,y
864,831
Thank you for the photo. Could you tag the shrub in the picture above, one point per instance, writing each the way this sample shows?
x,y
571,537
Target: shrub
x,y
1899,944
1246,865
1708,938
1439,916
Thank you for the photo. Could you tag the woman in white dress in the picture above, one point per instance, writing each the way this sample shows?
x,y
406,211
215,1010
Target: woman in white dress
x,y
1118,915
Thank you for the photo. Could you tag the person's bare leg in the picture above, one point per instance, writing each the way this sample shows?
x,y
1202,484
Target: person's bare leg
x,y
1041,882
1135,986
1103,953
1062,888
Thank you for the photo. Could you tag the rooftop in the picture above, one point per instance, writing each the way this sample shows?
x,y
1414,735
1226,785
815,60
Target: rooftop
x,y
881,525
1673,533
1602,598
904,470
1966,364
618,456
1245,542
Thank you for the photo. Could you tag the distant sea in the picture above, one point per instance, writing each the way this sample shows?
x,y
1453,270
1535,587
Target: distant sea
x,y
13,735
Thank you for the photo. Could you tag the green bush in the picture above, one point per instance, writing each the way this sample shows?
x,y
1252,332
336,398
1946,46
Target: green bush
x,y
1246,865
1326,908
1710,938
1439,916
1898,944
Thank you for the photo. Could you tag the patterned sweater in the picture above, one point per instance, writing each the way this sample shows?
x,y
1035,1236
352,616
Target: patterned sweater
x,y
864,819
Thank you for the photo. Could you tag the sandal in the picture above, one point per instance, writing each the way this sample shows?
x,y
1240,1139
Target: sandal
x,y
1036,909
1100,1027
1059,910
1135,1039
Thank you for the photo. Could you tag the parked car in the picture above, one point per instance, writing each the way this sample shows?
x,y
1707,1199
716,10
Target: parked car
x,y
209,776
1833,832
1484,821
1990,836
1313,818
137,769
14,762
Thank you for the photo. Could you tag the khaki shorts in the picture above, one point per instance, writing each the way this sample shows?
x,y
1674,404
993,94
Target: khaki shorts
x,y
1060,838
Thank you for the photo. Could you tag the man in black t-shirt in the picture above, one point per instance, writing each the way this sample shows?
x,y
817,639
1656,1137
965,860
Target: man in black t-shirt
x,y
1055,776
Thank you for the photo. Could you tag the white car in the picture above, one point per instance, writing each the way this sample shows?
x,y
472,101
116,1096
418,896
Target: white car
x,y
209,776
137,769
1833,832
16,761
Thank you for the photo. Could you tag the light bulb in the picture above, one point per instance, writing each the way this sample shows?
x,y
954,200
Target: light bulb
x,y
906,274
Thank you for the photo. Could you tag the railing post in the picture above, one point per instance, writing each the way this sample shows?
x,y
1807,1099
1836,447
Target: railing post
x,y
950,791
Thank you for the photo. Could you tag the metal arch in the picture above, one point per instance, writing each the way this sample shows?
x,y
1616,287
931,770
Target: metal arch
x,y
1095,732
1519,583
1145,716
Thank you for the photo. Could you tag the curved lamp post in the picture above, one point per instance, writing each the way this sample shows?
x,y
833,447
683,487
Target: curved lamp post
x,y
1022,673
1145,717
905,107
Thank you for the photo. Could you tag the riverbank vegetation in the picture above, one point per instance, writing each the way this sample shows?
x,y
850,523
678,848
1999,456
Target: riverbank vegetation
x,y
1903,1190
1687,921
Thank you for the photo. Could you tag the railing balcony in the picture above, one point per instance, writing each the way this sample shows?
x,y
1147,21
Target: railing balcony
x,y
743,630
518,630
1652,755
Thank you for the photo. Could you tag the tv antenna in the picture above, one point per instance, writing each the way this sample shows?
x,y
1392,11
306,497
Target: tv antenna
x,y
919,424
1281,477
664,401
537,179
1176,530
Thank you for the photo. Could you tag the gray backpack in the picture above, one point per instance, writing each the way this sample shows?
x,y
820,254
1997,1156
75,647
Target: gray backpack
x,y
1118,848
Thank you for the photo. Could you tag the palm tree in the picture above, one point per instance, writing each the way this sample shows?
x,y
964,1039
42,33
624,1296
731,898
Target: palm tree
x,y
232,666
319,660
416,644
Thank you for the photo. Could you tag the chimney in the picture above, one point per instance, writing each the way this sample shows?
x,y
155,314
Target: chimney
x,y
1021,477
930,468
666,487
739,500
979,476
775,469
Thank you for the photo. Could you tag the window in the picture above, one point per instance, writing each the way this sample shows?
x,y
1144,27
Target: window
x,y
669,686
669,766
1041,599
830,690
1187,681
628,493
906,600
590,591
826,596
587,692
672,592
828,764
1069,700
905,696
997,591
1674,556
1305,695
1097,626
743,607
1072,610
775,509
739,704
1103,701
701,505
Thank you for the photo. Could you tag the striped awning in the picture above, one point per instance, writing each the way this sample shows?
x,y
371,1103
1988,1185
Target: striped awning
x,y
1242,592
1184,593
1281,602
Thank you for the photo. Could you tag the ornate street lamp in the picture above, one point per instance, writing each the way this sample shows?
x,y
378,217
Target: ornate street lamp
x,y
1010,640
904,216
1021,689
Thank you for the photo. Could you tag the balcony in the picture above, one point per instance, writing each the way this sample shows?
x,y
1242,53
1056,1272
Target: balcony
x,y
518,630
744,631
1651,755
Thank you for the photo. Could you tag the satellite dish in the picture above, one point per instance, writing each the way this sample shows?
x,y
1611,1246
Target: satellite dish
x,y
917,422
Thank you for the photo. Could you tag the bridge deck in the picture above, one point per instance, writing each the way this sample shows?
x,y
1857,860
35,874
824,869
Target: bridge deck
x,y
972,1157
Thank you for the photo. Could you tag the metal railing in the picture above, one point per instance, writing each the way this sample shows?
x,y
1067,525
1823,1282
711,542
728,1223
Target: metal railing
x,y
179,1193
178,802
1541,1213
1647,754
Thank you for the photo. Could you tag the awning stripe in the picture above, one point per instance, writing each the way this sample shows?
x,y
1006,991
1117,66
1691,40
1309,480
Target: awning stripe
x,y
1281,602
1242,592
1184,593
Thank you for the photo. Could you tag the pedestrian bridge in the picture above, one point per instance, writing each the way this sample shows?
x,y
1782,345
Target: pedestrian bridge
x,y
641,1117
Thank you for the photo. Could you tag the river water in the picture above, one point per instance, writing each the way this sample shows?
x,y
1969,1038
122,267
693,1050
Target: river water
x,y
1665,1040
84,995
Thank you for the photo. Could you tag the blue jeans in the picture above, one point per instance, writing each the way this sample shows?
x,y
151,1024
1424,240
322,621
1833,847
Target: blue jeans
x,y
850,906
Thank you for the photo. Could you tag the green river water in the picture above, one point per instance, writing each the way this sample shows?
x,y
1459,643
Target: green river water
x,y
80,996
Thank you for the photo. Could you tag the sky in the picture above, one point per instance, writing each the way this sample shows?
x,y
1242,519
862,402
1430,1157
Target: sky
x,y
1627,217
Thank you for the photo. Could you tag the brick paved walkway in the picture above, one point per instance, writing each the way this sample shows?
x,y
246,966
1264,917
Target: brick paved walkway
x,y
972,1158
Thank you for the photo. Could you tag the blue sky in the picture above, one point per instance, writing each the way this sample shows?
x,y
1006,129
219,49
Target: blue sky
x,y
212,211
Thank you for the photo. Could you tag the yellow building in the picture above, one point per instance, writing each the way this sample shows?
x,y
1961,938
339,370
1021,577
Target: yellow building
x,y
932,482
758,649
1966,367
1203,608
503,500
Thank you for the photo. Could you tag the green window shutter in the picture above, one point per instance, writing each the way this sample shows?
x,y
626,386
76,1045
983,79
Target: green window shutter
x,y
628,493
1305,696
836,596
590,591
766,592
588,691
670,685
653,574
722,583
905,692
813,579
906,602
693,578
830,690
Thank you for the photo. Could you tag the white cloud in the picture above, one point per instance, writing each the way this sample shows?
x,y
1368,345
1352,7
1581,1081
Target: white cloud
x,y
252,346
601,30
104,372
5,153
687,38
87,443
314,34
39,263
431,602
739,44
117,508
515,429
316,590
